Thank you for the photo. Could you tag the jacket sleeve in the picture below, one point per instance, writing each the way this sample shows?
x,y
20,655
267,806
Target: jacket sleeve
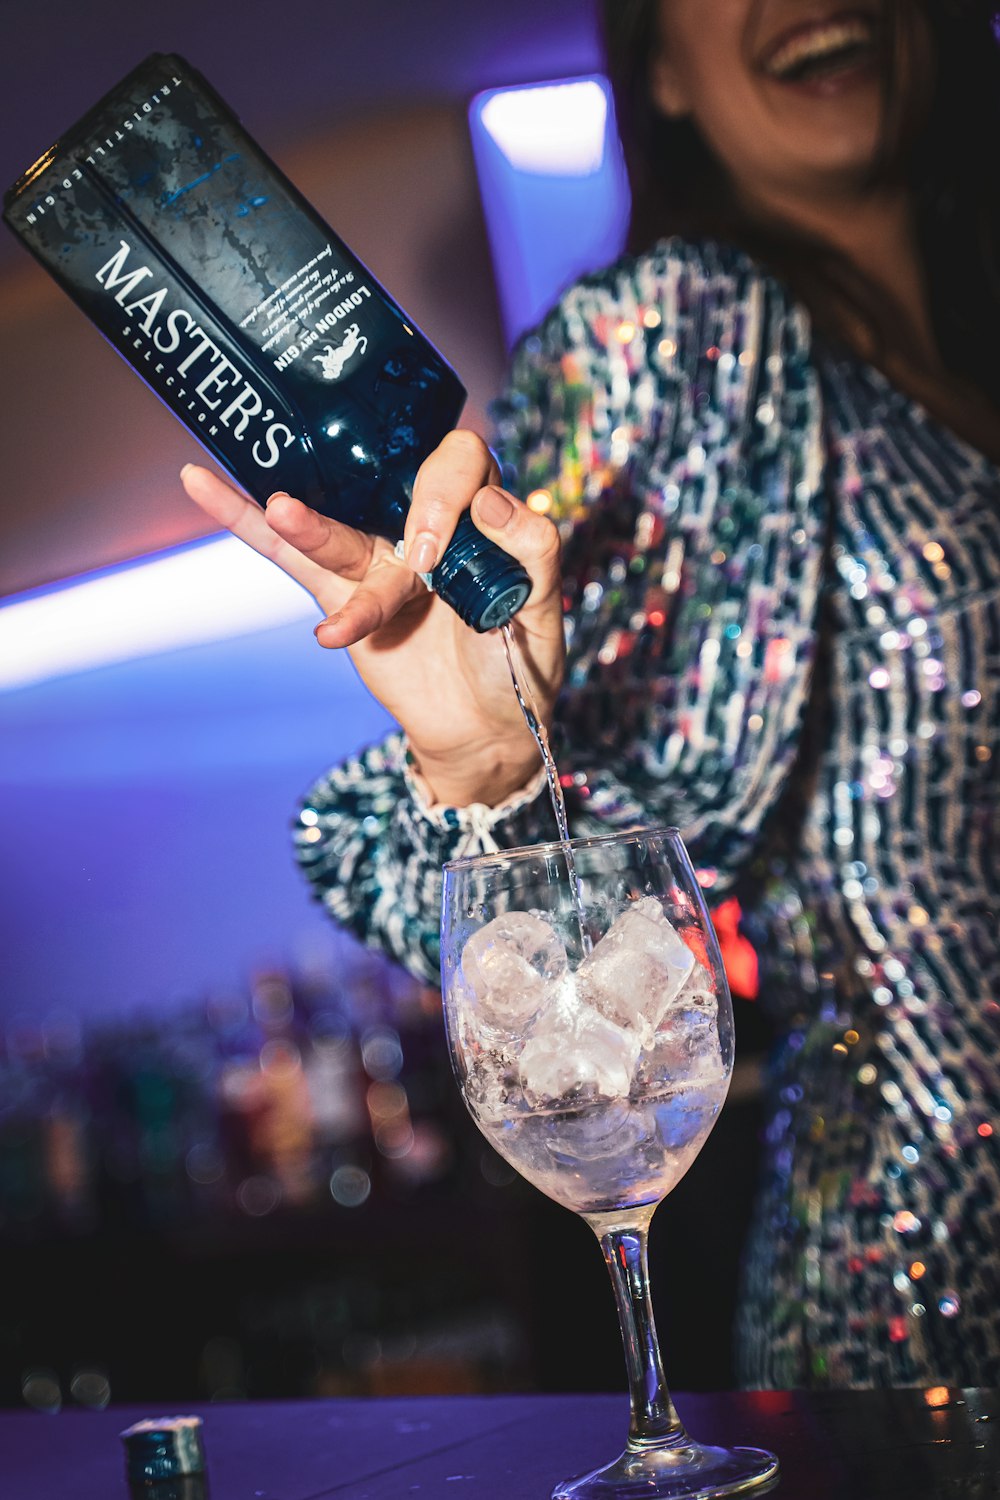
x,y
667,416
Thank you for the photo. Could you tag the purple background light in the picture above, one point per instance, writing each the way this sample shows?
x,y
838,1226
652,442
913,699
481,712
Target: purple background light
x,y
145,811
549,223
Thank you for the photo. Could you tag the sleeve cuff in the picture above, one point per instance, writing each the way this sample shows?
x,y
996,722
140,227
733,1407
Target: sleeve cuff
x,y
478,820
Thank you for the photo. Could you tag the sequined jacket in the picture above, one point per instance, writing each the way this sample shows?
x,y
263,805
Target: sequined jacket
x,y
670,409
783,624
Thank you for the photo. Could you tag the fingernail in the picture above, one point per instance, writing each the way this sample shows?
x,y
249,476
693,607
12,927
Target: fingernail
x,y
185,469
423,553
494,508
333,619
278,495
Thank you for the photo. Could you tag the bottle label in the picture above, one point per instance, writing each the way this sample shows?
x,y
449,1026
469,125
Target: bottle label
x,y
225,290
314,304
188,358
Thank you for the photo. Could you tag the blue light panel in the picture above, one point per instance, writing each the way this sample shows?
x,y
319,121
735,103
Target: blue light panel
x,y
554,191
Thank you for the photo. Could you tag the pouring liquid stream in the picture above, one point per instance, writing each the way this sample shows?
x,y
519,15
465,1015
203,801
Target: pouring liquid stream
x,y
533,719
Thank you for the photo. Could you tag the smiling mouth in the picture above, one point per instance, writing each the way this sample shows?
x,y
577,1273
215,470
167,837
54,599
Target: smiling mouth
x,y
823,50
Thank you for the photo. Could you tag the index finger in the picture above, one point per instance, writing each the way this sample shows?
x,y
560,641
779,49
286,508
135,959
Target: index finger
x,y
246,520
446,481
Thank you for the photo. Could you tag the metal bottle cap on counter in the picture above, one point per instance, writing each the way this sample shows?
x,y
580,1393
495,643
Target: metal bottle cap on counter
x,y
160,1448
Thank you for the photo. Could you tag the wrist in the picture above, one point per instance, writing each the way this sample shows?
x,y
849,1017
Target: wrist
x,y
490,775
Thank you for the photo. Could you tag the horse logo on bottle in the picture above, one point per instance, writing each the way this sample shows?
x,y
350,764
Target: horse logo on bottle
x,y
335,357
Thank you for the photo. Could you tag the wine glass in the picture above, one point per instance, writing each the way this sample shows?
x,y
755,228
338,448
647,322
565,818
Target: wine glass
x,y
591,1031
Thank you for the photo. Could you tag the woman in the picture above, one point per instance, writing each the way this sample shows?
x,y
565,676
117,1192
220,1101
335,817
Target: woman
x,y
770,436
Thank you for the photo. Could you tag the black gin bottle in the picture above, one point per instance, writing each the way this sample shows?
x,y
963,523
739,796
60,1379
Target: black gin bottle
x,y
223,288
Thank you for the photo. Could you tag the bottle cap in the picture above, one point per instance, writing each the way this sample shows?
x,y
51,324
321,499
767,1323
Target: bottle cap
x,y
163,1448
482,583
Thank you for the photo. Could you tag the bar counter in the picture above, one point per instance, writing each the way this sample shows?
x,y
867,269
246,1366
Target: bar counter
x,y
838,1445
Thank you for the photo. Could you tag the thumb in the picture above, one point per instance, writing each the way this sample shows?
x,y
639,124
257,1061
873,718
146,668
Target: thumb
x,y
532,539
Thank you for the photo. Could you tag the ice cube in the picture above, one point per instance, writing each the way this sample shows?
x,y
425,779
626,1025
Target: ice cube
x,y
596,1134
491,1084
687,1048
698,989
508,965
574,1055
637,969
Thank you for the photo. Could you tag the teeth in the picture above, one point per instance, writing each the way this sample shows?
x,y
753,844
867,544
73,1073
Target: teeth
x,y
819,42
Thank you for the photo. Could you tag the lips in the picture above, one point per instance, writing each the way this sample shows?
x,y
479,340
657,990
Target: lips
x,y
822,48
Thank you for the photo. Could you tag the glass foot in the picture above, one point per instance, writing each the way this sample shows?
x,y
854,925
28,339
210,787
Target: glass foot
x,y
664,1471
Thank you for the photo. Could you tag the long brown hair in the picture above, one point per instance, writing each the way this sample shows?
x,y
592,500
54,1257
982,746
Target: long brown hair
x,y
680,187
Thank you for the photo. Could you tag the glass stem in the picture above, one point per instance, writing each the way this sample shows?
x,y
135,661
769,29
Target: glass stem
x,y
653,1416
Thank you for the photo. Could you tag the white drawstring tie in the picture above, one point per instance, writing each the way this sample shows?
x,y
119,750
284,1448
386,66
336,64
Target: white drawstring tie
x,y
479,832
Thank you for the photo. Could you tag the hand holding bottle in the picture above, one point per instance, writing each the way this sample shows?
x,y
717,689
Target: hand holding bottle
x,y
448,687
